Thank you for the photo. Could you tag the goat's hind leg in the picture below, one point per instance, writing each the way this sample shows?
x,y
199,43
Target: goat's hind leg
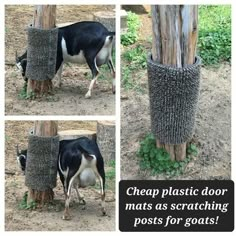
x,y
69,184
66,215
101,176
94,69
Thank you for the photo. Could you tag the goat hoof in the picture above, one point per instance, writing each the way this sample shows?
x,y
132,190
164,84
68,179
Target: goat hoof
x,y
82,202
66,217
57,85
88,95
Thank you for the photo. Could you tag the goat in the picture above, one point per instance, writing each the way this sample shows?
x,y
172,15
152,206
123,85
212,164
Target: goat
x,y
83,42
79,162
21,157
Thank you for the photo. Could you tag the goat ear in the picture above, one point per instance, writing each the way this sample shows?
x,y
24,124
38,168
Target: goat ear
x,y
16,55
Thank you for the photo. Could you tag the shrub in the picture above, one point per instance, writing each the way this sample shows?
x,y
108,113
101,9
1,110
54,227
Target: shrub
x,y
158,159
27,206
214,40
137,57
133,23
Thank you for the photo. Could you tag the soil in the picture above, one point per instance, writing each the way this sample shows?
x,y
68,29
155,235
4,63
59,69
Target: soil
x,y
212,134
49,218
69,99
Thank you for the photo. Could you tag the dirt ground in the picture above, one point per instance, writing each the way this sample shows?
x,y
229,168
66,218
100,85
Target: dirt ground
x,y
212,134
50,218
69,99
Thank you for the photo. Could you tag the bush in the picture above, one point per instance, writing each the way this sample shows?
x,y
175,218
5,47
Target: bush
x,y
214,40
131,36
137,57
158,160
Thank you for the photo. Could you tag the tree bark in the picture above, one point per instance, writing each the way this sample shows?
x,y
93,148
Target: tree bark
x,y
174,43
108,19
46,129
106,139
44,18
74,134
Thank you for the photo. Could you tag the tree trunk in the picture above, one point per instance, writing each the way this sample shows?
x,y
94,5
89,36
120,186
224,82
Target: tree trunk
x,y
106,139
108,19
174,43
77,133
44,18
46,129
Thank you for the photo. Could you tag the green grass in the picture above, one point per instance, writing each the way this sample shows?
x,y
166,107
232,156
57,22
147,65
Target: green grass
x,y
134,60
133,24
110,175
23,204
158,161
136,57
214,39
23,93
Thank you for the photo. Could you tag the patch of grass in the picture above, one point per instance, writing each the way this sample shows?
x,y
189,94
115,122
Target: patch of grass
x,y
23,93
192,150
111,163
214,39
130,80
23,204
133,23
134,60
158,161
104,73
137,57
126,78
110,174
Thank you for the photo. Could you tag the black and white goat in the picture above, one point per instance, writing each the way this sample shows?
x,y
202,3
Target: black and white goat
x,y
21,157
79,162
83,42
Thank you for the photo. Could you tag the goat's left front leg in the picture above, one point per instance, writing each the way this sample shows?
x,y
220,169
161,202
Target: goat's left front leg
x,y
80,197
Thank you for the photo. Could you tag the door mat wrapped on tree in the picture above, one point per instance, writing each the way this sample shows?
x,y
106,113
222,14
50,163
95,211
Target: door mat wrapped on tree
x,y
41,53
41,166
173,96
